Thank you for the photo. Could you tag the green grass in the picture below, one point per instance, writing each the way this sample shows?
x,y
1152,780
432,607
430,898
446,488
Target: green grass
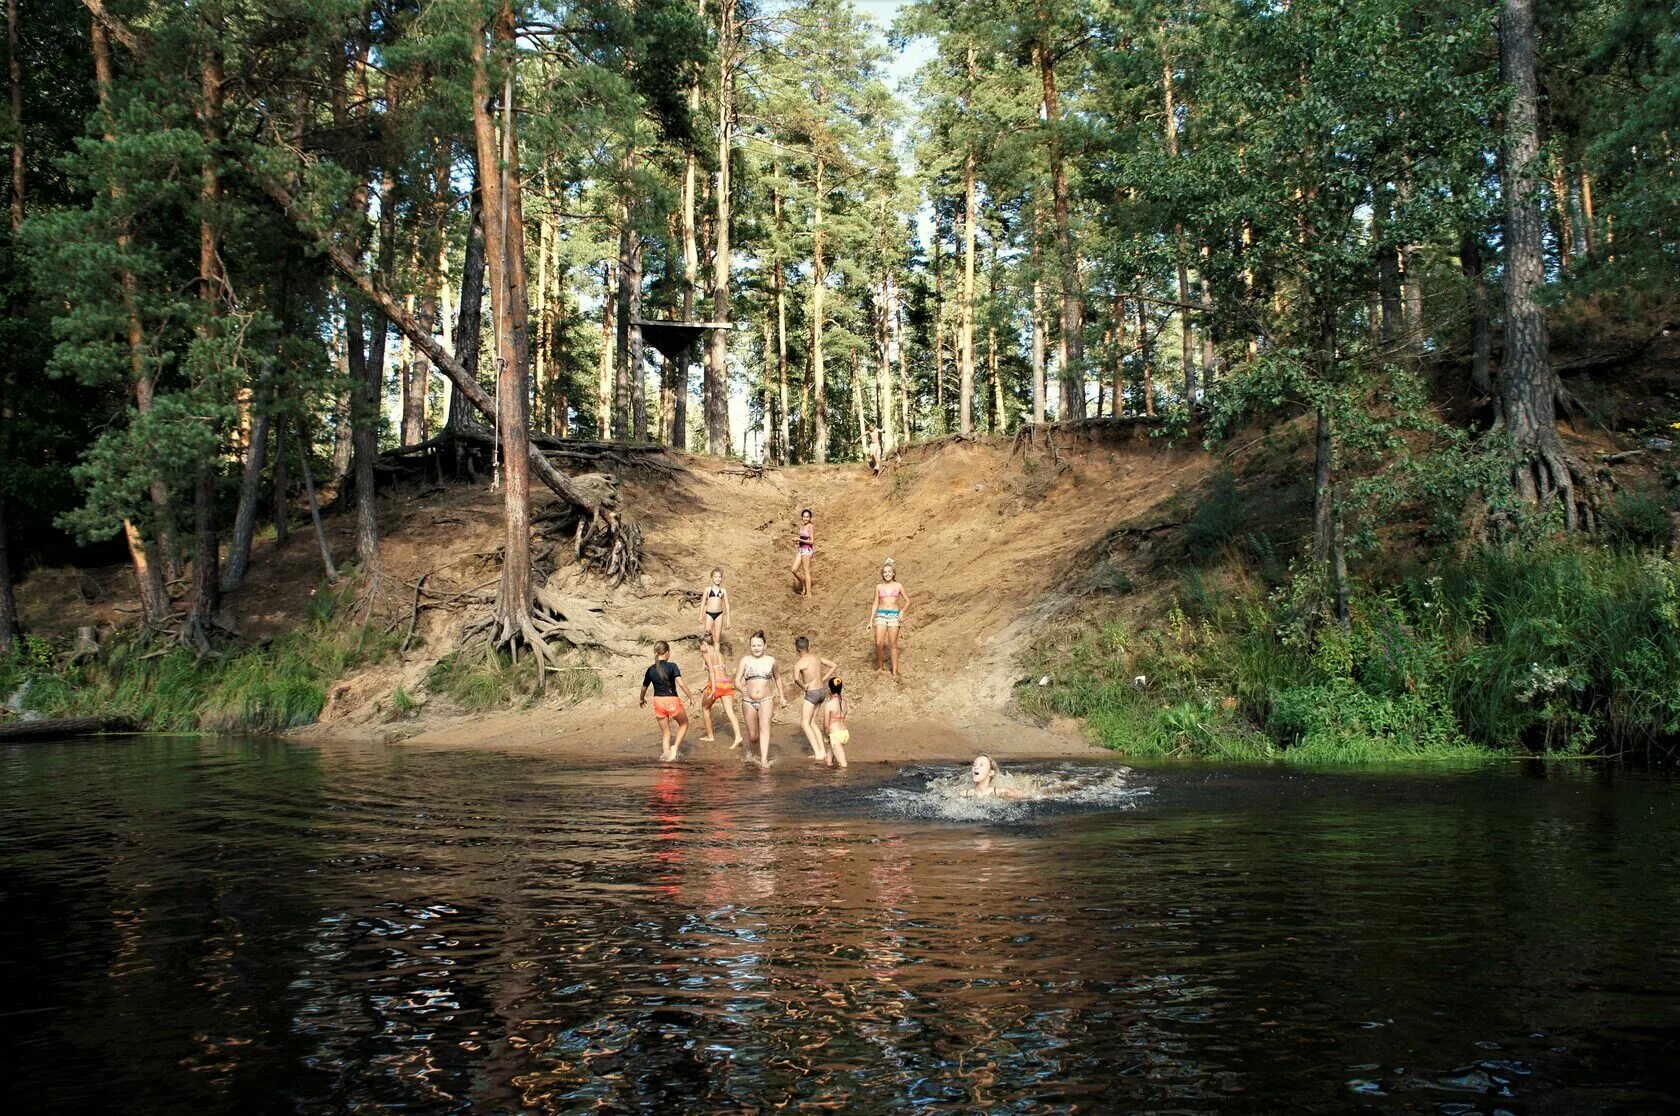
x,y
480,682
1559,648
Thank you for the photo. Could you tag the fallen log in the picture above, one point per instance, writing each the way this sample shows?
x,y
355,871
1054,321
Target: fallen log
x,y
63,728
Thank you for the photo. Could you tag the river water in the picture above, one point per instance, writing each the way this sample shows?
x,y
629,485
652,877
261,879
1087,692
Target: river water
x,y
253,926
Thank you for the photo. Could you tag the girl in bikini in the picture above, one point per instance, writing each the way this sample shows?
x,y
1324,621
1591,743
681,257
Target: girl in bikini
x,y
665,677
802,555
719,687
811,674
759,680
984,771
834,721
715,603
886,614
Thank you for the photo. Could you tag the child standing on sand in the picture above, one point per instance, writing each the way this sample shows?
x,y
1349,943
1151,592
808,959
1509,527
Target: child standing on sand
x,y
758,679
715,604
719,687
834,721
811,673
666,677
886,615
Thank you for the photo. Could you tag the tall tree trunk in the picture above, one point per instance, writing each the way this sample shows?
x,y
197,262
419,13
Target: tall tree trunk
x,y
9,630
629,298
1528,385
1187,340
15,67
505,254
367,387
469,321
1388,264
1119,390
1563,229
939,327
1070,345
250,494
148,570
716,383
1145,351
1040,350
206,584
779,278
819,277
609,359
965,344
1589,227
1209,353
539,351
884,372
688,235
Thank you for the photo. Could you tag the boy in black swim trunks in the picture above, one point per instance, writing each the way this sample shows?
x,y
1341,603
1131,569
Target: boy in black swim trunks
x,y
811,674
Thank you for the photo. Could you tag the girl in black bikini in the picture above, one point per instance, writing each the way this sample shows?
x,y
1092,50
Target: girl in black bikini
x,y
714,602
753,679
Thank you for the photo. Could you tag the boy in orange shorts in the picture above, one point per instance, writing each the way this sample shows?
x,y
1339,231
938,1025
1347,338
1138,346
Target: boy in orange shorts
x,y
665,677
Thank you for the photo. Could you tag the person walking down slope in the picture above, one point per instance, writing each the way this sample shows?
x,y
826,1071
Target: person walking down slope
x,y
665,677
807,546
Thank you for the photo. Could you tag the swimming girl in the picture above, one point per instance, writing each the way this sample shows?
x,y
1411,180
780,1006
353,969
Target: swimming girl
x,y
811,673
886,613
985,772
665,677
802,555
760,681
715,604
834,721
719,687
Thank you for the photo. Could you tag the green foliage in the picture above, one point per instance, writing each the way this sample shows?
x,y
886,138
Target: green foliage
x,y
1216,519
1556,647
170,689
1640,520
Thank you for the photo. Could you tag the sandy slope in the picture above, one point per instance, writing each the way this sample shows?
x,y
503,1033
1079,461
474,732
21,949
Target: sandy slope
x,y
986,541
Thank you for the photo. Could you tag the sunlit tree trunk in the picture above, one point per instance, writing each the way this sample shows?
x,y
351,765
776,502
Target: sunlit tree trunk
x,y
148,570
1146,355
778,276
716,386
609,339
469,319
819,277
1119,390
504,251
1070,345
1040,350
965,352
206,580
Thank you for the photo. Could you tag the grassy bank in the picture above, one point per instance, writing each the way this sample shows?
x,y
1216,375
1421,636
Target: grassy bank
x,y
270,688
1560,648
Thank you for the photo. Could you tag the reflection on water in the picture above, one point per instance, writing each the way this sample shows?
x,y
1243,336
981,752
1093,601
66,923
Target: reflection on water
x,y
248,926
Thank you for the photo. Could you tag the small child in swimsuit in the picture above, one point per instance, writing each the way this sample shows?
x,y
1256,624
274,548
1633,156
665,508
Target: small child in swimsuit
x,y
719,687
886,616
834,720
985,772
811,673
715,604
666,677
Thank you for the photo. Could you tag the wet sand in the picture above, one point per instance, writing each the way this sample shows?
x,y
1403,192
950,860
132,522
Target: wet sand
x,y
633,737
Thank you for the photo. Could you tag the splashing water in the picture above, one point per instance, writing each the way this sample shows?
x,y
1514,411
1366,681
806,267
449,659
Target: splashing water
x,y
944,793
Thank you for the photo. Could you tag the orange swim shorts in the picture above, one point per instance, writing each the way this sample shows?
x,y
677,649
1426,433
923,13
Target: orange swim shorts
x,y
664,707
721,690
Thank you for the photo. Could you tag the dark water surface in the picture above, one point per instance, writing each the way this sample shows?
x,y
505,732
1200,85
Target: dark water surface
x,y
250,926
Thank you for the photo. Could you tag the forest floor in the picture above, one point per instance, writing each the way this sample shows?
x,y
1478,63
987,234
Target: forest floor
x,y
995,541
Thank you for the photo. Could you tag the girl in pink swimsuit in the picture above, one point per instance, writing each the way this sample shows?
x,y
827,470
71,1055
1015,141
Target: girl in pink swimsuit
x,y
802,555
886,615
